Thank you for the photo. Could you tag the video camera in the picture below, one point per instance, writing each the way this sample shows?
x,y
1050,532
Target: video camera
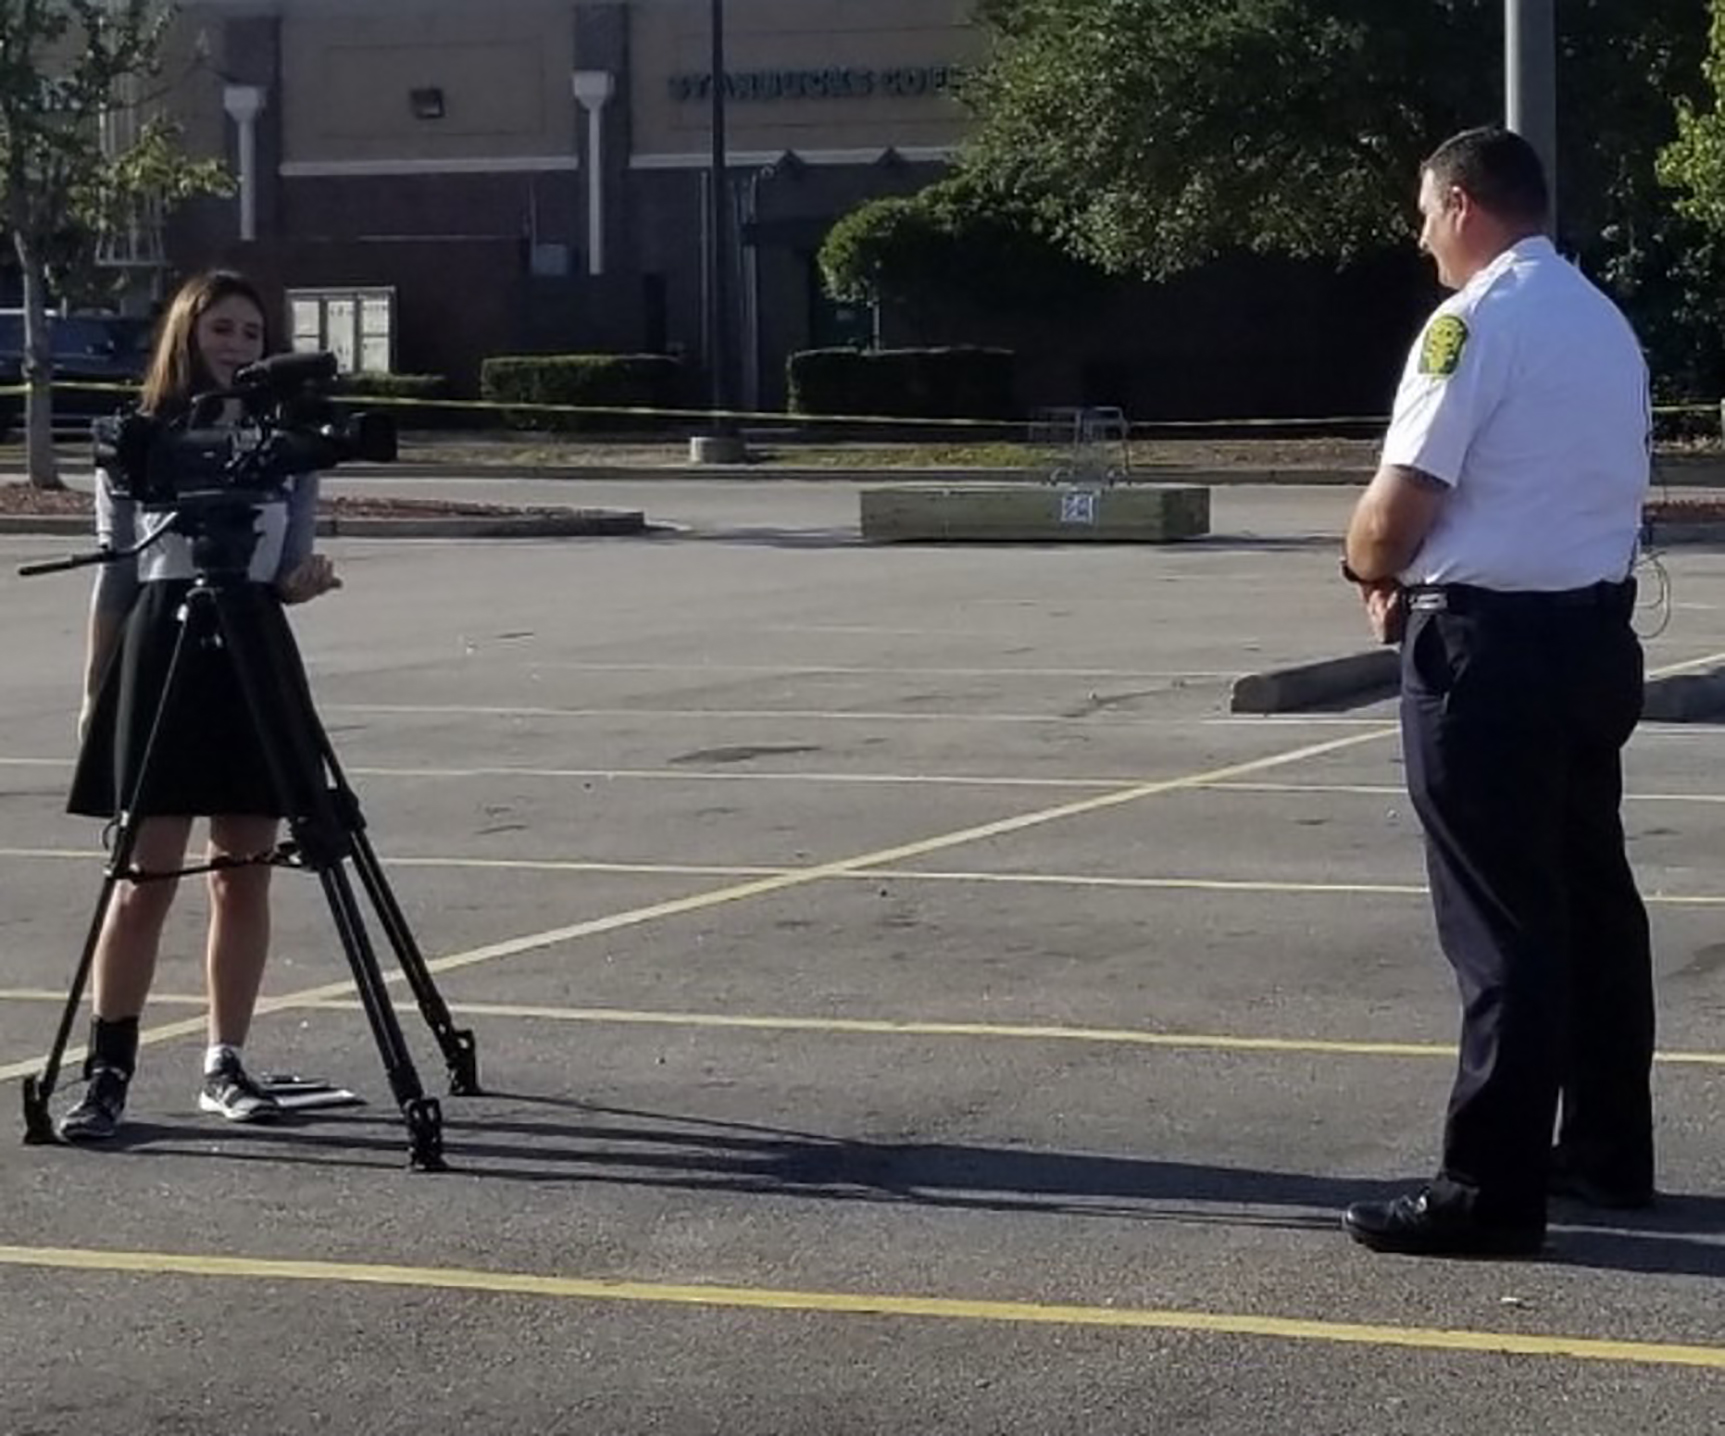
x,y
289,425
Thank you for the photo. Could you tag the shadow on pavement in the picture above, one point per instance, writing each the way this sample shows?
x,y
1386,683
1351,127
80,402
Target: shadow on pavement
x,y
623,1147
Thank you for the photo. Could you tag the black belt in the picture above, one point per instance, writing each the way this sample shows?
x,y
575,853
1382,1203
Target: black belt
x,y
1611,598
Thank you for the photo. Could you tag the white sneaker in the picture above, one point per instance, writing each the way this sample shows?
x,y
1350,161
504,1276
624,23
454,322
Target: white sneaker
x,y
230,1092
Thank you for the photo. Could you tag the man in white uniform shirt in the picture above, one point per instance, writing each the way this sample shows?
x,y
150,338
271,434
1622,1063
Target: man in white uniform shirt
x,y
1497,541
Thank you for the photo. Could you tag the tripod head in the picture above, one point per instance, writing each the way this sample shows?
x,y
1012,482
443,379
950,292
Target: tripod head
x,y
208,477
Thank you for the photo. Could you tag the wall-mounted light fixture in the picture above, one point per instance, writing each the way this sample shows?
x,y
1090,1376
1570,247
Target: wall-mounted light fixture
x,y
427,103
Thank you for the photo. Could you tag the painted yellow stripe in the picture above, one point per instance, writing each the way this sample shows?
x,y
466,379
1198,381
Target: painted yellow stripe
x,y
920,780
692,775
950,1309
1393,790
843,715
1038,1032
1688,665
793,876
49,994
894,1027
718,897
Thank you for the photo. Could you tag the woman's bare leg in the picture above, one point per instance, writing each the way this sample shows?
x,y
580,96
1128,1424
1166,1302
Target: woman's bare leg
x,y
125,960
239,940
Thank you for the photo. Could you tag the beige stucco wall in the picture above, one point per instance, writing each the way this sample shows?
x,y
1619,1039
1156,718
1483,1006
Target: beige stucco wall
x,y
868,38
193,94
503,67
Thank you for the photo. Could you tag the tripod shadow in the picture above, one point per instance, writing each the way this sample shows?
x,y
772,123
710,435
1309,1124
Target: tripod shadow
x,y
623,1147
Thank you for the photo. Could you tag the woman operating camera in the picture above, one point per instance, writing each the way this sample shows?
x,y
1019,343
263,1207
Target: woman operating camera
x,y
207,760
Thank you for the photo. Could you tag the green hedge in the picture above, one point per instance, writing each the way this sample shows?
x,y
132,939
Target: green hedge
x,y
957,383
624,381
359,389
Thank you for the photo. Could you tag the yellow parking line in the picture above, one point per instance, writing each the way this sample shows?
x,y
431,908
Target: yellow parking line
x,y
849,715
779,882
880,780
949,1309
896,1027
1392,790
1688,665
1039,1032
860,870
49,994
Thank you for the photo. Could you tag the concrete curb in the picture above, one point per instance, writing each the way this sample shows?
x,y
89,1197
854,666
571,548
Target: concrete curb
x,y
1309,685
1668,473
1676,698
577,523
1667,534
1685,697
790,474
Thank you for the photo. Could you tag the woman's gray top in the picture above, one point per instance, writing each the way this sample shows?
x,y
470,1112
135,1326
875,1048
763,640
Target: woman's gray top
x,y
285,533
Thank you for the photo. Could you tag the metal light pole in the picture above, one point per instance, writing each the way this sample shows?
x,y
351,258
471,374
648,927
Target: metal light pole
x,y
1530,81
722,444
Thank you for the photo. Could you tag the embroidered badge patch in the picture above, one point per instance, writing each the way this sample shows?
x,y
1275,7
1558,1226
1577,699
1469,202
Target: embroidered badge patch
x,y
1440,350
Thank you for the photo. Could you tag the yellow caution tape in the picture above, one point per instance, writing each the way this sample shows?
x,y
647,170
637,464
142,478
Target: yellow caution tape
x,y
791,418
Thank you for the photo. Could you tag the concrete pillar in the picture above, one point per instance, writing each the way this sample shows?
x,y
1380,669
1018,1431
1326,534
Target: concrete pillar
x,y
594,89
244,103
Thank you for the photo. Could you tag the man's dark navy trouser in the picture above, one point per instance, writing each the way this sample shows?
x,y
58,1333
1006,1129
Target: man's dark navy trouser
x,y
1515,709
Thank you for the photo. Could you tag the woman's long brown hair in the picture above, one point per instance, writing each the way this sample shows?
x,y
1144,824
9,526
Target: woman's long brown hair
x,y
176,369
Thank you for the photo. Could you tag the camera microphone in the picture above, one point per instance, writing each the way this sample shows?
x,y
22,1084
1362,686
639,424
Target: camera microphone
x,y
282,372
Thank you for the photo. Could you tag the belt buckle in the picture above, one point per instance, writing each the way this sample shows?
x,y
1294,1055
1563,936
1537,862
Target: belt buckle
x,y
1429,600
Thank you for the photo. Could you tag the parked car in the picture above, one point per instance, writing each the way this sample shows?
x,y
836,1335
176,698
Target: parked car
x,y
87,348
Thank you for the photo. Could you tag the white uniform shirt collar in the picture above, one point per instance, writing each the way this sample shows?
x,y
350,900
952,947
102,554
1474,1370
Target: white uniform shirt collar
x,y
1535,246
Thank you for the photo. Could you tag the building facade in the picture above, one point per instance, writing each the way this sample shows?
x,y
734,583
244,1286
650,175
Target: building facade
x,y
434,181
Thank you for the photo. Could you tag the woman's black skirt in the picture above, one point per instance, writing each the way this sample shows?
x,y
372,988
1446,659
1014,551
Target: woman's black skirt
x,y
210,754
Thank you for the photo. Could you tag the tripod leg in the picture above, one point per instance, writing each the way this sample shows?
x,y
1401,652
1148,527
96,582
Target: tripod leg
x,y
279,705
422,1114
38,1126
460,1052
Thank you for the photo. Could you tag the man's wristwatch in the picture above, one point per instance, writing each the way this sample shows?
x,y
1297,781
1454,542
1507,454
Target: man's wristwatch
x,y
1349,574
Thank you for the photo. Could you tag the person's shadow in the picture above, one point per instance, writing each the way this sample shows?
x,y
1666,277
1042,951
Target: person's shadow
x,y
610,1146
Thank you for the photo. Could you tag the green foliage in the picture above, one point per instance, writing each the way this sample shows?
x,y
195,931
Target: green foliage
x,y
1151,136
1695,161
956,383
409,399
954,239
604,381
79,158
394,386
67,71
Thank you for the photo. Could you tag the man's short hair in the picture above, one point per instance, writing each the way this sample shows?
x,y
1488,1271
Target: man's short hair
x,y
1497,169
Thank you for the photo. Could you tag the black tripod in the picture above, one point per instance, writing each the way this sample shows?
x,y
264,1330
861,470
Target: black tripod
x,y
324,820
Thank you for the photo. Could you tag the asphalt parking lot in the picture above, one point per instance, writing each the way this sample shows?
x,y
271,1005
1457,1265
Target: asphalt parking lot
x,y
907,1001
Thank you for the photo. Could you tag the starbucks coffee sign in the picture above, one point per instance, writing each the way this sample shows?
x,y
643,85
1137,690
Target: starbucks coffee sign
x,y
832,83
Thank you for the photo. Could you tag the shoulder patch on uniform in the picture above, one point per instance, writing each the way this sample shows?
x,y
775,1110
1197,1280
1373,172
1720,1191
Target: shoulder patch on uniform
x,y
1440,350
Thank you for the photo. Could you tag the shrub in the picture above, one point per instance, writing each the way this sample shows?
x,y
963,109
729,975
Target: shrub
x,y
603,381
956,383
417,394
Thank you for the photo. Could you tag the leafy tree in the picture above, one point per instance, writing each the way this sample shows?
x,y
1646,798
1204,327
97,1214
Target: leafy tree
x,y
954,239
1150,136
65,65
1695,161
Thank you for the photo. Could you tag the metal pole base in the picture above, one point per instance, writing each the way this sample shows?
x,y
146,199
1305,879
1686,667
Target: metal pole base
x,y
424,1135
462,1053
38,1125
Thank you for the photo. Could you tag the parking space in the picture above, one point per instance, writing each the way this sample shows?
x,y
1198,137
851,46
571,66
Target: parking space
x,y
906,998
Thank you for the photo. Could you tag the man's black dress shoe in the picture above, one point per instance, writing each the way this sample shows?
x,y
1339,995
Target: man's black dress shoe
x,y
1416,1226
